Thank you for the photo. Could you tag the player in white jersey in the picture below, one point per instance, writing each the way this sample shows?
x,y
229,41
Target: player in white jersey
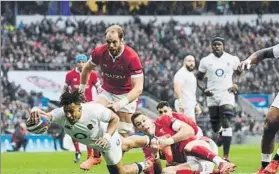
x,y
185,88
94,125
271,126
220,90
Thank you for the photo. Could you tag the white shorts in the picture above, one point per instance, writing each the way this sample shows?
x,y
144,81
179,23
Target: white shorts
x,y
130,108
275,102
189,109
203,165
221,98
114,154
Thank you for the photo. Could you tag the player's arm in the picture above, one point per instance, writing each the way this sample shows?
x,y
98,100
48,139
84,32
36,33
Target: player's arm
x,y
111,118
137,82
67,82
260,55
177,85
183,130
54,116
86,70
200,80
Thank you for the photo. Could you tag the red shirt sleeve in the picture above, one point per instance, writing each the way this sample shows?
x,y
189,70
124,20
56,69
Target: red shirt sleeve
x,y
68,79
94,77
165,121
135,65
94,56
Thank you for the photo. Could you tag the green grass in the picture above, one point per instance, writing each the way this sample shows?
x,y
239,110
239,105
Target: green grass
x,y
247,158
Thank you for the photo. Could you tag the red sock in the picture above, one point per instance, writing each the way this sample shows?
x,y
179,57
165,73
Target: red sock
x,y
187,171
203,153
76,145
97,154
89,152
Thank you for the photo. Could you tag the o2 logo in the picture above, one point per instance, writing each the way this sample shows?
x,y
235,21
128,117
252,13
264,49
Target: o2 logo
x,y
219,72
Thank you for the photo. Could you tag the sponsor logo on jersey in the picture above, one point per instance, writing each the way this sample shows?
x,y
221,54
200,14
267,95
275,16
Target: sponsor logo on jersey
x,y
80,136
114,76
219,72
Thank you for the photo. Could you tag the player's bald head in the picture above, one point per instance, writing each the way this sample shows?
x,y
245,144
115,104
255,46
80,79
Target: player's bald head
x,y
190,62
114,30
189,57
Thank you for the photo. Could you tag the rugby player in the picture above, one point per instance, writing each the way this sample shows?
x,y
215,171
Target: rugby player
x,y
271,125
122,76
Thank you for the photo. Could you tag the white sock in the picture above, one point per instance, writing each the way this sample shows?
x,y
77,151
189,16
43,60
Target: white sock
x,y
267,157
217,160
227,132
277,151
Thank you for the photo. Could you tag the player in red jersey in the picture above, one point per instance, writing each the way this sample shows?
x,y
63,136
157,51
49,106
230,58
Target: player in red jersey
x,y
122,76
182,135
72,80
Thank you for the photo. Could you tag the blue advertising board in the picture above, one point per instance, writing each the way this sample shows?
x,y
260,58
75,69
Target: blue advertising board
x,y
36,143
257,100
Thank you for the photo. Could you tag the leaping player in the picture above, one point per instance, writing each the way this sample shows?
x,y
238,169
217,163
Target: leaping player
x,y
271,125
72,81
94,125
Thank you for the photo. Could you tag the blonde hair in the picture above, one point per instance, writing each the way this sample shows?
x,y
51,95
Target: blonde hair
x,y
119,30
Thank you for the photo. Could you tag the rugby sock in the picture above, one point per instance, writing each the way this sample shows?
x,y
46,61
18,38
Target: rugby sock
x,y
276,157
97,154
141,166
76,145
204,153
89,152
227,138
187,171
266,158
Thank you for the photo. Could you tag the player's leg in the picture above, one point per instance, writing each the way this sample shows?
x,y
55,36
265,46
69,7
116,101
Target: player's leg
x,y
226,112
270,129
215,121
202,149
77,151
179,167
125,114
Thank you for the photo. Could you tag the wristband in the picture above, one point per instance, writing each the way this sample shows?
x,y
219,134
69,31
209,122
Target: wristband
x,y
123,102
107,136
82,87
169,141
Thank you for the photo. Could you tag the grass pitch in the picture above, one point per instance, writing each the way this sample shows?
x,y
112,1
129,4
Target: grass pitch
x,y
246,157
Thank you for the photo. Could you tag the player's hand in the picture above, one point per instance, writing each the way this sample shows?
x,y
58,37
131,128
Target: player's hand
x,y
163,142
198,109
244,65
233,89
208,93
34,116
181,106
114,106
102,142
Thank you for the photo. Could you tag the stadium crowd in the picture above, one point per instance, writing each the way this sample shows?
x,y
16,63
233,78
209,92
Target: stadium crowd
x,y
52,45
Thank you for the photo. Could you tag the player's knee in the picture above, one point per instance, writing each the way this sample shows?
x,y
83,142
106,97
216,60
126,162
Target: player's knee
x,y
125,128
226,115
226,122
215,124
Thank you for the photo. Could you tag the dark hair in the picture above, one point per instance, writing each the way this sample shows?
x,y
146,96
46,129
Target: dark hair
x,y
135,115
218,38
162,104
69,97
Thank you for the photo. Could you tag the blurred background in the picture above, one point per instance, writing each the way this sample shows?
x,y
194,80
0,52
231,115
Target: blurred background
x,y
40,39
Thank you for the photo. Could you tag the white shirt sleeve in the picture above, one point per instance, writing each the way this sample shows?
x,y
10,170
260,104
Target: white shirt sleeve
x,y
104,113
176,124
236,63
202,66
178,77
57,115
276,51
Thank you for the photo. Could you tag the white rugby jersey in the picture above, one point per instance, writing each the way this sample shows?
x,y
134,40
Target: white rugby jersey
x,y
92,124
219,71
189,85
276,51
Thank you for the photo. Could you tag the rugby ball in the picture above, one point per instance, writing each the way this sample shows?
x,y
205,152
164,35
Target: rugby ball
x,y
40,127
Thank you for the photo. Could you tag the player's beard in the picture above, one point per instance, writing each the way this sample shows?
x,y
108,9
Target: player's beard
x,y
190,68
